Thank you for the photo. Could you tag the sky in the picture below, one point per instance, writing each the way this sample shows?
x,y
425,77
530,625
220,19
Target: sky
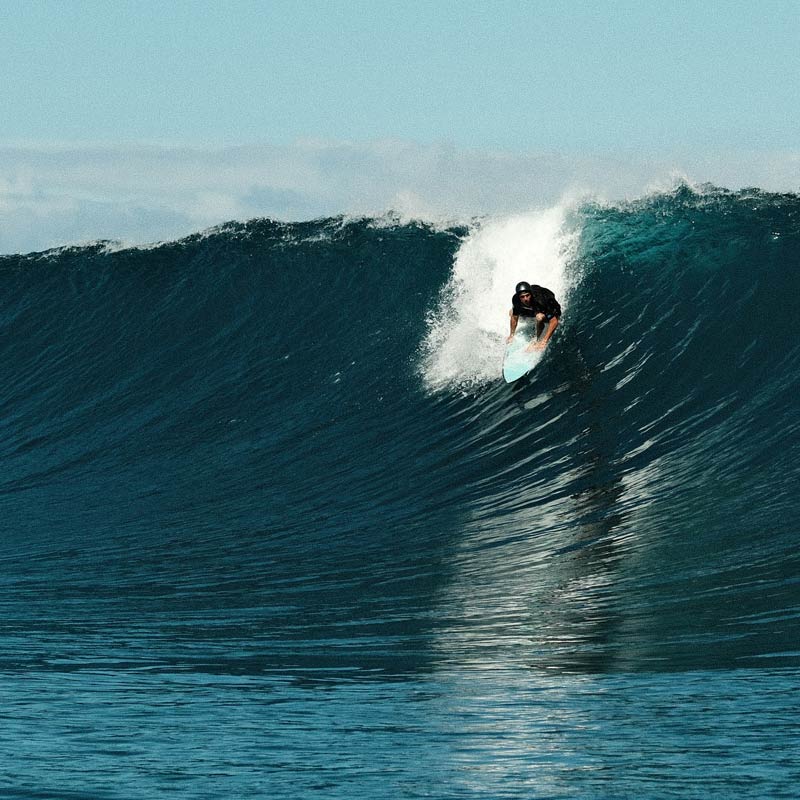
x,y
146,120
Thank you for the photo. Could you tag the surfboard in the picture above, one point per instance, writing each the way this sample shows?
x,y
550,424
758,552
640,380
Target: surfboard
x,y
516,361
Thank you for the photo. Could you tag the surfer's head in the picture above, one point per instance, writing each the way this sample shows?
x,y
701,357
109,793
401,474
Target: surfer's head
x,y
523,290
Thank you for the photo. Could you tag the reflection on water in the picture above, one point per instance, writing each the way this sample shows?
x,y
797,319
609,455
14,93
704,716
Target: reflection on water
x,y
457,733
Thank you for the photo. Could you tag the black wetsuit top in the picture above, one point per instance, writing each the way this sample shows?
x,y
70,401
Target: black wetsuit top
x,y
542,301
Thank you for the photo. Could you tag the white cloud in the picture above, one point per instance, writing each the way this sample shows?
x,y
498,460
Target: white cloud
x,y
140,193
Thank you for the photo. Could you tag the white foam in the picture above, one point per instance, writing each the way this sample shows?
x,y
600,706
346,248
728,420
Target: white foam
x,y
466,334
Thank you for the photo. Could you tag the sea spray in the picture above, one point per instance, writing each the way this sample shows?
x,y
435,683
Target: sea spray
x,y
467,330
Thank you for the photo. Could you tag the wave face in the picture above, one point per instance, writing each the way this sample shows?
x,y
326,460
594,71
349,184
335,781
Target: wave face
x,y
283,452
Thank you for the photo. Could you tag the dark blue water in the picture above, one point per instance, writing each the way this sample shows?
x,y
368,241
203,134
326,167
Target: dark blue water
x,y
272,525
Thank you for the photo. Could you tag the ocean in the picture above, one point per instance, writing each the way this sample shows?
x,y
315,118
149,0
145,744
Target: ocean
x,y
273,526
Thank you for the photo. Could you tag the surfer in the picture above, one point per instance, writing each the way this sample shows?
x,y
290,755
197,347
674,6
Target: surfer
x,y
539,303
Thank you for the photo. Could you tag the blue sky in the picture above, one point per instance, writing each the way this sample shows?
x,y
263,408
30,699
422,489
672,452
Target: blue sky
x,y
682,87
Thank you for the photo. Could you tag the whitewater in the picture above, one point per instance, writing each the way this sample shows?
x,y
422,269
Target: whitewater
x,y
273,525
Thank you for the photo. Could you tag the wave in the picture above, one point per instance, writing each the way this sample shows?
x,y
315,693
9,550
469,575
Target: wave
x,y
304,422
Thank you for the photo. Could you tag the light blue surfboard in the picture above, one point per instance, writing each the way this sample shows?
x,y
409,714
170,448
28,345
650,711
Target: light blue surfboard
x,y
517,362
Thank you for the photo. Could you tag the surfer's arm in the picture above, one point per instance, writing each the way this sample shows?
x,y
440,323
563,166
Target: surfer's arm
x,y
542,343
514,321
